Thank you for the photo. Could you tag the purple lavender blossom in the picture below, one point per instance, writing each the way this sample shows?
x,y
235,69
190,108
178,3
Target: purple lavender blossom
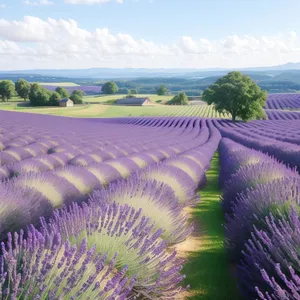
x,y
270,267
41,267
113,228
156,200
252,208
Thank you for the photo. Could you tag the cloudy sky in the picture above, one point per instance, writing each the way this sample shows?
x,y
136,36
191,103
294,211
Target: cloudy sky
x,y
70,34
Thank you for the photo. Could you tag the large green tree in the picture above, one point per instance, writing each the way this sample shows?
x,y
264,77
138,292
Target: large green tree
x,y
23,88
179,99
162,90
39,96
238,95
110,88
7,89
62,91
54,99
77,96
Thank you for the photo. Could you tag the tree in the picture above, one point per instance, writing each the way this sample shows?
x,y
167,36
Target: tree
x,y
23,88
77,96
7,89
133,92
110,88
76,99
238,95
179,99
123,91
78,92
54,99
39,96
62,91
162,90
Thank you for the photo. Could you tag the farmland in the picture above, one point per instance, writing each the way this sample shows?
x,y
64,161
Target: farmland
x,y
180,204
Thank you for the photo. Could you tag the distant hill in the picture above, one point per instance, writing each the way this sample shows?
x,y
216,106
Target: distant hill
x,y
107,73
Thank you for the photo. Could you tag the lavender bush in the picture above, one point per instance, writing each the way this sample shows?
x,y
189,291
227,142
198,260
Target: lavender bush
x,y
46,267
157,202
270,267
121,229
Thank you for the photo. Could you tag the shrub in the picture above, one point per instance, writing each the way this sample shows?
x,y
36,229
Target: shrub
x,y
46,267
121,229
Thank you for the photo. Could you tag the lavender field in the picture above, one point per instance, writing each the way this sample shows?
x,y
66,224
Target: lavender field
x,y
103,208
89,90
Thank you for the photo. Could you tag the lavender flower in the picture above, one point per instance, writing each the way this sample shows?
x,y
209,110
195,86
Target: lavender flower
x,y
156,200
121,229
252,208
43,267
270,267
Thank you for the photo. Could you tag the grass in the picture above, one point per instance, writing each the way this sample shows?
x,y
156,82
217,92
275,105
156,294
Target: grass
x,y
207,269
104,98
115,111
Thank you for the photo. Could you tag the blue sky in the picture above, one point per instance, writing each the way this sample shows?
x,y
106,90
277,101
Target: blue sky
x,y
148,33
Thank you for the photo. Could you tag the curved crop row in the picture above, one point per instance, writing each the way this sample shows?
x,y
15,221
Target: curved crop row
x,y
115,246
259,192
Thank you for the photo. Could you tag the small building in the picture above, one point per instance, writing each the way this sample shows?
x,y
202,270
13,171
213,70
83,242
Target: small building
x,y
134,101
66,102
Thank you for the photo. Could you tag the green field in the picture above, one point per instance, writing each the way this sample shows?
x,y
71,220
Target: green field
x,y
104,98
114,111
110,111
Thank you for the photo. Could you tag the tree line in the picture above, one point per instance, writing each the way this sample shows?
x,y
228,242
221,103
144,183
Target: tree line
x,y
36,94
234,93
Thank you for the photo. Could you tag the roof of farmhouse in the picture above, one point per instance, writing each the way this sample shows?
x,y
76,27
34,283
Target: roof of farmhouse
x,y
131,100
65,100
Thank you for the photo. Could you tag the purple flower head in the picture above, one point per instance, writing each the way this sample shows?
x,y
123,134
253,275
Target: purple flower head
x,y
121,229
43,267
270,267
249,177
157,201
20,207
252,207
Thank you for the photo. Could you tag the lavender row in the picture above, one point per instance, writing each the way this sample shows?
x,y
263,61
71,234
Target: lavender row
x,y
92,89
284,152
146,268
283,101
255,186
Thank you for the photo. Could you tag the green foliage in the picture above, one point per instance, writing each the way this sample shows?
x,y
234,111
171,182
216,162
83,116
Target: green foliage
x,y
7,89
238,95
77,96
54,99
179,99
63,92
78,92
123,91
22,88
162,90
39,96
110,88
76,99
133,92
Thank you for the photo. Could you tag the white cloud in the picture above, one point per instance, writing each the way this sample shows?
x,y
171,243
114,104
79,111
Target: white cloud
x,y
3,5
91,1
38,3
62,43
